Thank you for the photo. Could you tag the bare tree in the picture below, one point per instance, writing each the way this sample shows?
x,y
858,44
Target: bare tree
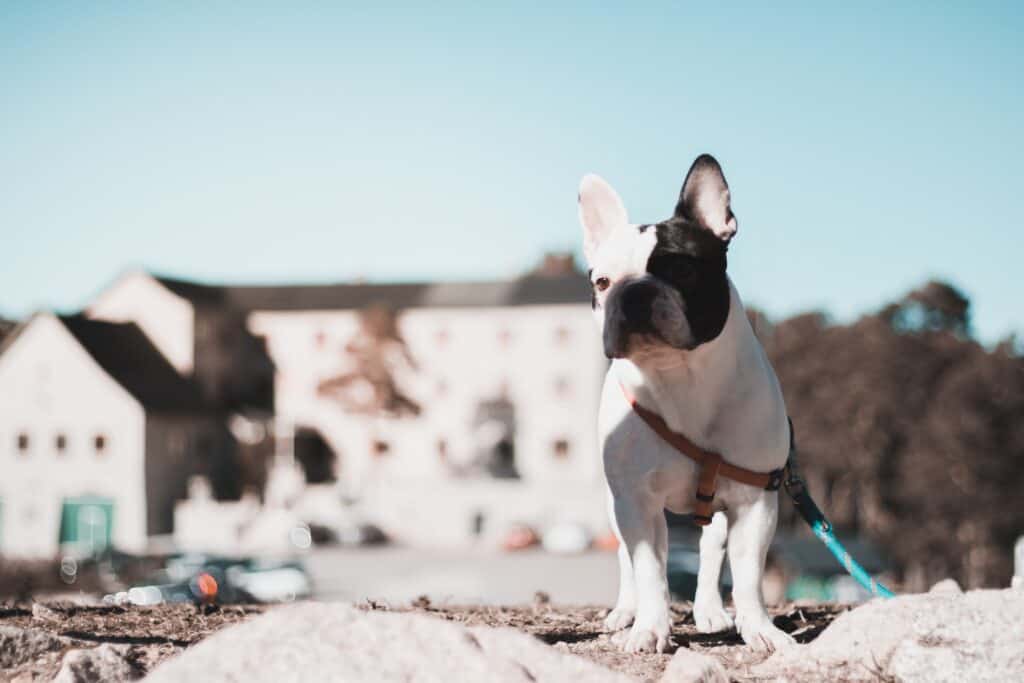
x,y
378,355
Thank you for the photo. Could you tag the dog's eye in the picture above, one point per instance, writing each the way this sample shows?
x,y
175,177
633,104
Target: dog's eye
x,y
602,283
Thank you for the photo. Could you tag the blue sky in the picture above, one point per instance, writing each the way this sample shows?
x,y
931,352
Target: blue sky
x,y
869,146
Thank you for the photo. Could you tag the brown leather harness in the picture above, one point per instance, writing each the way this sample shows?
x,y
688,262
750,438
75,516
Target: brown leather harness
x,y
712,466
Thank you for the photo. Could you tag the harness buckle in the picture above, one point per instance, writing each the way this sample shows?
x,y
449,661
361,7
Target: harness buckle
x,y
707,485
775,479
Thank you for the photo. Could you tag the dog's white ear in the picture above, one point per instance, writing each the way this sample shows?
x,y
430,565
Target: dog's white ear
x,y
601,212
705,198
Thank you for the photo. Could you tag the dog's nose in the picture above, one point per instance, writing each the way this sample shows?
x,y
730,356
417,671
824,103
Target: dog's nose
x,y
637,300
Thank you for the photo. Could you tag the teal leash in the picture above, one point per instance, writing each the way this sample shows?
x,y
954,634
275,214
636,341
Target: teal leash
x,y
822,528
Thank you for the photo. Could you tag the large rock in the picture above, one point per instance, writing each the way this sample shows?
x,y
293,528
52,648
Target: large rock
x,y
320,642
19,646
943,636
97,664
687,666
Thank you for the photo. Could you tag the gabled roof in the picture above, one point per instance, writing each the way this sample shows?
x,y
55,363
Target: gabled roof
x,y
193,291
530,290
127,355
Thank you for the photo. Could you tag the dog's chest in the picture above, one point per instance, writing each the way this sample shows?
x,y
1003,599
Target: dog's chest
x,y
746,426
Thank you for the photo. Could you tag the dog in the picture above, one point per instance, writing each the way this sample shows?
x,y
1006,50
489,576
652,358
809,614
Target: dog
x,y
680,344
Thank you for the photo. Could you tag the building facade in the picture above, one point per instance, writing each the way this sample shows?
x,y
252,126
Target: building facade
x,y
98,435
443,412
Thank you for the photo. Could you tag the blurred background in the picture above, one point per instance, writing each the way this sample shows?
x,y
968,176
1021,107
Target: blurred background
x,y
292,297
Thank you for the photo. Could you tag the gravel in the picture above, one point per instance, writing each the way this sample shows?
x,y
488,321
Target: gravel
x,y
146,636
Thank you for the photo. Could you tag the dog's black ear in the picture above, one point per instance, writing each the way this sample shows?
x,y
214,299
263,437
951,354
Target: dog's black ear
x,y
704,198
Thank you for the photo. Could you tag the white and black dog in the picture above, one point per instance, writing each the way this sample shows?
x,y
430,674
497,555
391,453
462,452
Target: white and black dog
x,y
680,343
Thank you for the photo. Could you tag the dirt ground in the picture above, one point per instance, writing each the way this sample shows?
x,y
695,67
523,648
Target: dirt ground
x,y
153,633
156,633
579,630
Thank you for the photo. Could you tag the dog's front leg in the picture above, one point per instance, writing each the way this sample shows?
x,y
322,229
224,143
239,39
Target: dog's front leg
x,y
625,606
708,612
751,527
641,523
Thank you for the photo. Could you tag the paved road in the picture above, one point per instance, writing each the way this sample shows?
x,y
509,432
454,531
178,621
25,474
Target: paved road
x,y
462,576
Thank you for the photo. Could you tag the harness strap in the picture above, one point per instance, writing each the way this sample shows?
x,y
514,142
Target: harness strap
x,y
711,464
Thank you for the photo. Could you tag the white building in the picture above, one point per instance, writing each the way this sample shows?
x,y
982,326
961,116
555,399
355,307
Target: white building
x,y
502,380
98,435
507,376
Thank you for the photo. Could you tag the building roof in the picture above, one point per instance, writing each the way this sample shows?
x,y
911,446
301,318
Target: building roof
x,y
127,355
568,288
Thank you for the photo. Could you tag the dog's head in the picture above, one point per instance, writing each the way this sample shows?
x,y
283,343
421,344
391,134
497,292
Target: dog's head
x,y
659,285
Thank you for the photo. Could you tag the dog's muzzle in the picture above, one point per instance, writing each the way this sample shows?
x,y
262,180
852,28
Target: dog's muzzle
x,y
642,314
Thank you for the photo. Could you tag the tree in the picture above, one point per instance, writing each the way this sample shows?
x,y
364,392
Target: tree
x,y
377,356
909,431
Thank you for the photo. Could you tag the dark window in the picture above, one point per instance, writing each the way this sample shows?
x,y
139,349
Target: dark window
x,y
315,455
23,442
61,442
561,448
100,443
381,448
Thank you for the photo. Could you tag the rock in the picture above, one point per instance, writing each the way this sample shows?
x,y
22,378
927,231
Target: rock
x,y
20,646
318,642
976,638
102,663
687,666
41,612
938,636
949,586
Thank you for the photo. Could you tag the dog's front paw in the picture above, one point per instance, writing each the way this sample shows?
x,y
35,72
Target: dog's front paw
x,y
762,635
619,618
648,637
710,616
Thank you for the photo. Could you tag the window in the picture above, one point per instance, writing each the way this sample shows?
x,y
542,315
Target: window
x,y
381,448
99,442
23,443
561,448
61,442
